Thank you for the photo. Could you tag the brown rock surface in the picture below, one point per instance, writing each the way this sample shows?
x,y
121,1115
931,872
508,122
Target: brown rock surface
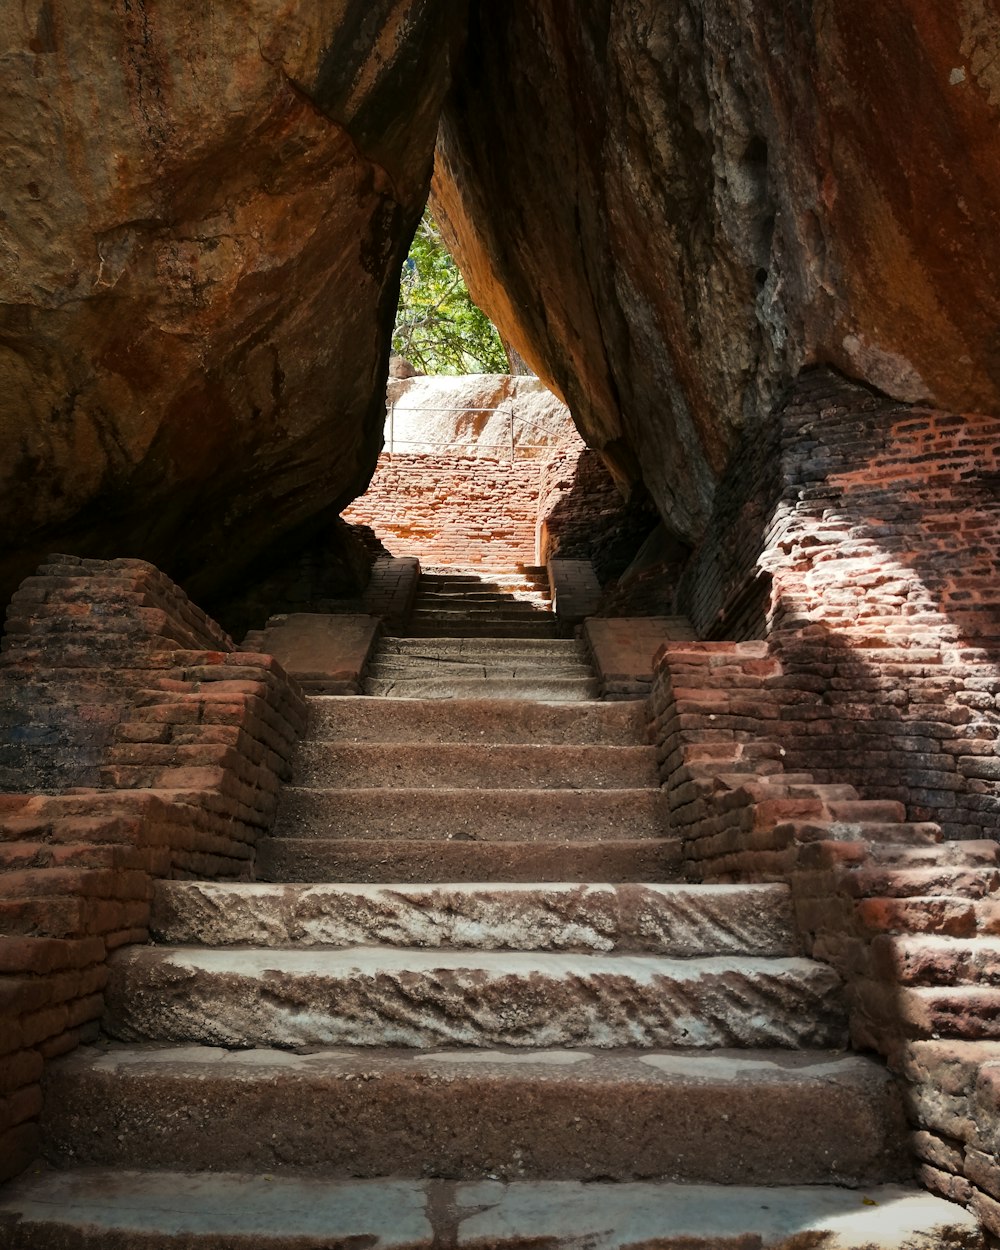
x,y
205,210
721,193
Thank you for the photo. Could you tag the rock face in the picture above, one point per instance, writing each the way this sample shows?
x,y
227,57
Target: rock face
x,y
474,413
205,210
722,192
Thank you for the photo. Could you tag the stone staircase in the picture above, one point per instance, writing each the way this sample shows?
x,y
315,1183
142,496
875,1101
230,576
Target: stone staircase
x,y
473,667
465,603
468,1004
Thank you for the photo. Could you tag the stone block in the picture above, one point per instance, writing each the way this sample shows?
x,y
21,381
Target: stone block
x,y
312,647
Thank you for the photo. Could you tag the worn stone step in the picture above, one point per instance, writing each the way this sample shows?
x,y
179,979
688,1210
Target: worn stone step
x,y
520,593
361,719
395,667
491,604
472,815
682,921
965,854
527,648
538,688
453,765
876,833
894,881
526,629
541,1114
380,859
382,996
465,609
113,1209
961,1012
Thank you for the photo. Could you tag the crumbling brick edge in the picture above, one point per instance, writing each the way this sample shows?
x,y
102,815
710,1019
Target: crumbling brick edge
x,y
156,750
873,893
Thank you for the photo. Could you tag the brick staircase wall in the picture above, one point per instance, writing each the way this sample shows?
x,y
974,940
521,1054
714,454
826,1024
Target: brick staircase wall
x,y
868,885
136,744
856,752
873,557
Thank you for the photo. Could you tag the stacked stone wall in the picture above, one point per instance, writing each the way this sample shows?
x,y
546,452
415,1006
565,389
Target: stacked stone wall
x,y
180,777
452,509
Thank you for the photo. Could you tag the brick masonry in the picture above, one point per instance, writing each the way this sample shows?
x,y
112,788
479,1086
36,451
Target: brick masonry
x,y
453,510
872,562
495,513
908,919
854,752
137,744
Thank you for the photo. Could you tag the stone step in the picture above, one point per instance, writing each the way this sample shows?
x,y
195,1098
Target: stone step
x,y
965,1013
498,668
380,859
535,688
382,996
360,719
491,579
555,1115
432,766
524,593
439,605
477,648
112,1209
488,816
541,628
682,921
894,881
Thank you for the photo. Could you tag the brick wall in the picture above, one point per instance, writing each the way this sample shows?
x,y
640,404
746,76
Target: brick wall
x,y
874,895
855,753
869,554
188,743
453,510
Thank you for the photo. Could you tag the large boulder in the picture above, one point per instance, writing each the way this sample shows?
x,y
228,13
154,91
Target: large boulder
x,y
205,211
475,414
672,208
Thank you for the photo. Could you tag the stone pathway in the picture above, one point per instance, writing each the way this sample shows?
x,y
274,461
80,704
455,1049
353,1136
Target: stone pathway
x,y
469,1004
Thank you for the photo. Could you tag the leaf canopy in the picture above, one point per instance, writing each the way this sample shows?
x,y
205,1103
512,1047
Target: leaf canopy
x,y
438,327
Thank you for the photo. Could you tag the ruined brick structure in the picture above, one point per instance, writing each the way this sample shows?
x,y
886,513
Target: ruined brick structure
x,y
139,744
453,509
853,752
863,538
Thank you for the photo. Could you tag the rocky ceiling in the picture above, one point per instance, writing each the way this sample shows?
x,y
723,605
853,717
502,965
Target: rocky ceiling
x,y
205,209
671,208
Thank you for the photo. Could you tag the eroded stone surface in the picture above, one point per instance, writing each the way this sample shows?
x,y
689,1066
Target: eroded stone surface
x,y
474,815
721,1117
475,720
232,1211
512,767
676,920
374,996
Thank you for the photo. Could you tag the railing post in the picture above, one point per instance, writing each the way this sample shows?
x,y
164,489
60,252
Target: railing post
x,y
392,422
512,431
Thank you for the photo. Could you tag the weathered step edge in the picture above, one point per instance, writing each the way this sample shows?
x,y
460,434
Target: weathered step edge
x,y
681,921
381,996
721,1118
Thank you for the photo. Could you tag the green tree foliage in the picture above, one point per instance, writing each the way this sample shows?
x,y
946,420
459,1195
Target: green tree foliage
x,y
438,327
